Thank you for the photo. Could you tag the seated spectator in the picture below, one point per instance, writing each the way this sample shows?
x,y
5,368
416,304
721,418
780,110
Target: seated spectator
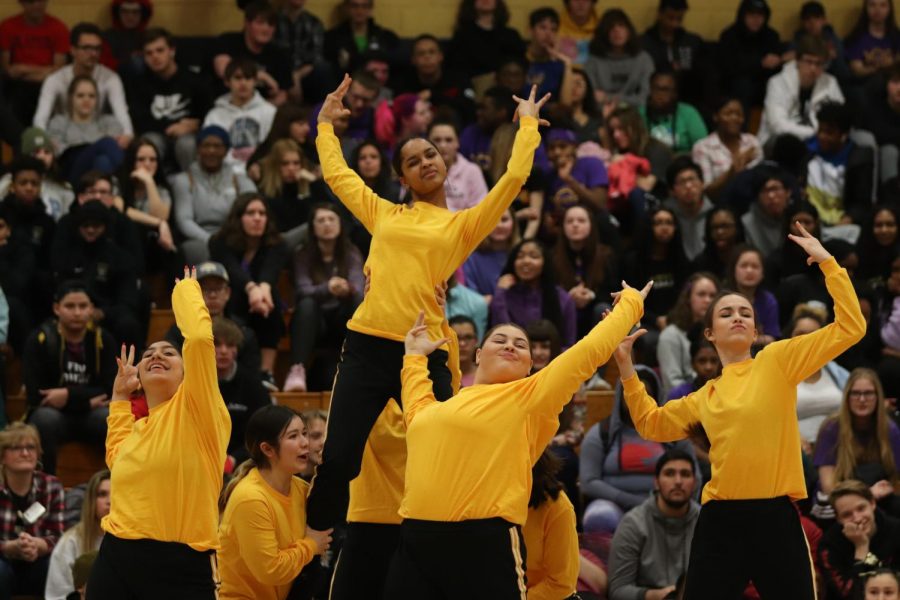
x,y
484,266
790,259
572,179
795,95
449,92
585,116
82,538
880,114
465,185
148,204
316,422
33,44
329,281
527,291
676,124
27,542
290,122
55,193
360,101
205,192
674,348
25,212
749,53
85,249
814,22
677,50
302,35
874,42
466,302
548,69
577,24
585,266
495,111
288,182
468,338
617,67
764,223
257,43
862,540
819,396
482,38
840,173
371,164
242,112
84,141
728,150
250,247
69,372
722,233
241,388
641,561
357,34
122,41
110,95
549,533
746,274
879,247
167,103
407,115
809,285
17,282
860,443
883,582
688,203
511,74
377,64
213,280
613,479
657,254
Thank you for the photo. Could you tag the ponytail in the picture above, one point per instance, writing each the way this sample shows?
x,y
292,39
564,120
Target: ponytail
x,y
242,471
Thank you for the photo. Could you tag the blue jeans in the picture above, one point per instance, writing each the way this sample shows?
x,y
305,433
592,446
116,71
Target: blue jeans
x,y
104,155
57,427
21,577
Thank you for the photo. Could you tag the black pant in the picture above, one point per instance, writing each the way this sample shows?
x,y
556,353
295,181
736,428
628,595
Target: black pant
x,y
368,376
468,560
152,570
362,567
311,325
737,541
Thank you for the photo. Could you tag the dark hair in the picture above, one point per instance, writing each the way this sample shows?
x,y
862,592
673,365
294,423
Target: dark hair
x,y
244,66
494,328
397,158
313,255
811,9
543,330
721,100
644,241
90,179
836,114
711,309
152,34
426,36
467,14
26,163
767,174
501,98
862,25
699,342
545,13
550,306
462,320
589,264
850,487
126,181
589,103
446,123
73,85
672,4
71,286
736,253
232,230
794,209
881,571
81,29
812,45
670,455
600,43
227,331
681,315
892,73
366,79
544,484
384,175
710,252
260,9
679,164
287,114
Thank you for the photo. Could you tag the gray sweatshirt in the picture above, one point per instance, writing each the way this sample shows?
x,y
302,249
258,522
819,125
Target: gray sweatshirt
x,y
626,78
202,200
649,550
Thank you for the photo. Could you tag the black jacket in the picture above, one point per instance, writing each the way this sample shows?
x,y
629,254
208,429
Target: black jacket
x,y
33,223
741,51
244,394
341,49
840,569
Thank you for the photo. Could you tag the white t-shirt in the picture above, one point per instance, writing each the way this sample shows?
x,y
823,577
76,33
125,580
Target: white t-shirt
x,y
815,402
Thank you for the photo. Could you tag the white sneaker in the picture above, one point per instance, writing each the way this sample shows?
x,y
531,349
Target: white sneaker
x,y
296,379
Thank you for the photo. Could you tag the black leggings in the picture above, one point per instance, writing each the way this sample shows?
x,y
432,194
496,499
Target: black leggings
x,y
737,541
150,570
362,567
367,377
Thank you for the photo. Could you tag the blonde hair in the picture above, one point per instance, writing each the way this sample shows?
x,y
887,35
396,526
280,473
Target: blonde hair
x,y
14,433
270,182
88,528
849,452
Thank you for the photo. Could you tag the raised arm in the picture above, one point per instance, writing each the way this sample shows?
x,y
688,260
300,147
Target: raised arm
x,y
417,390
346,184
120,421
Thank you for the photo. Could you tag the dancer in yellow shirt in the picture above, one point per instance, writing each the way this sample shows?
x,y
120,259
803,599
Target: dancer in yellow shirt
x,y
166,469
748,527
415,247
468,468
265,541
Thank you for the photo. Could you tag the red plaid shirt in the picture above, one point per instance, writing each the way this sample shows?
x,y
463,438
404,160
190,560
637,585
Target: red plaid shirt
x,y
45,489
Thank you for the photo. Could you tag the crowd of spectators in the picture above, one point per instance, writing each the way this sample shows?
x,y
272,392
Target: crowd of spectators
x,y
670,157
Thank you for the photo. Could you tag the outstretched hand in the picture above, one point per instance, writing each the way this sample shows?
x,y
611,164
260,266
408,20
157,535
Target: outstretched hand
x,y
622,353
529,108
812,246
126,380
417,342
333,108
189,273
644,291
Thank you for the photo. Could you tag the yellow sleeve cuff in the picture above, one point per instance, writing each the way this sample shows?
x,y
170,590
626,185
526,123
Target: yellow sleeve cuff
x,y
528,123
830,266
120,407
632,384
415,360
327,128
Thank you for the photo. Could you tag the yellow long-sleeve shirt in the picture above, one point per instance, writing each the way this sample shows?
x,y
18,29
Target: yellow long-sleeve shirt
x,y
551,544
167,468
470,457
263,543
750,411
376,492
417,247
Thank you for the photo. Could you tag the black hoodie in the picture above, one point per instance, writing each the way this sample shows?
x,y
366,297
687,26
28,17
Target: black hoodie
x,y
842,572
741,51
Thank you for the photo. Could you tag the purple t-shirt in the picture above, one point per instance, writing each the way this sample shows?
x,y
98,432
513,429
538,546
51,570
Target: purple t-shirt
x,y
826,445
547,75
869,48
475,145
765,305
589,171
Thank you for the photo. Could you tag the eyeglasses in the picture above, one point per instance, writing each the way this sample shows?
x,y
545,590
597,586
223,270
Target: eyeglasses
x,y
213,289
862,394
466,338
89,48
685,180
96,192
27,448
773,189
